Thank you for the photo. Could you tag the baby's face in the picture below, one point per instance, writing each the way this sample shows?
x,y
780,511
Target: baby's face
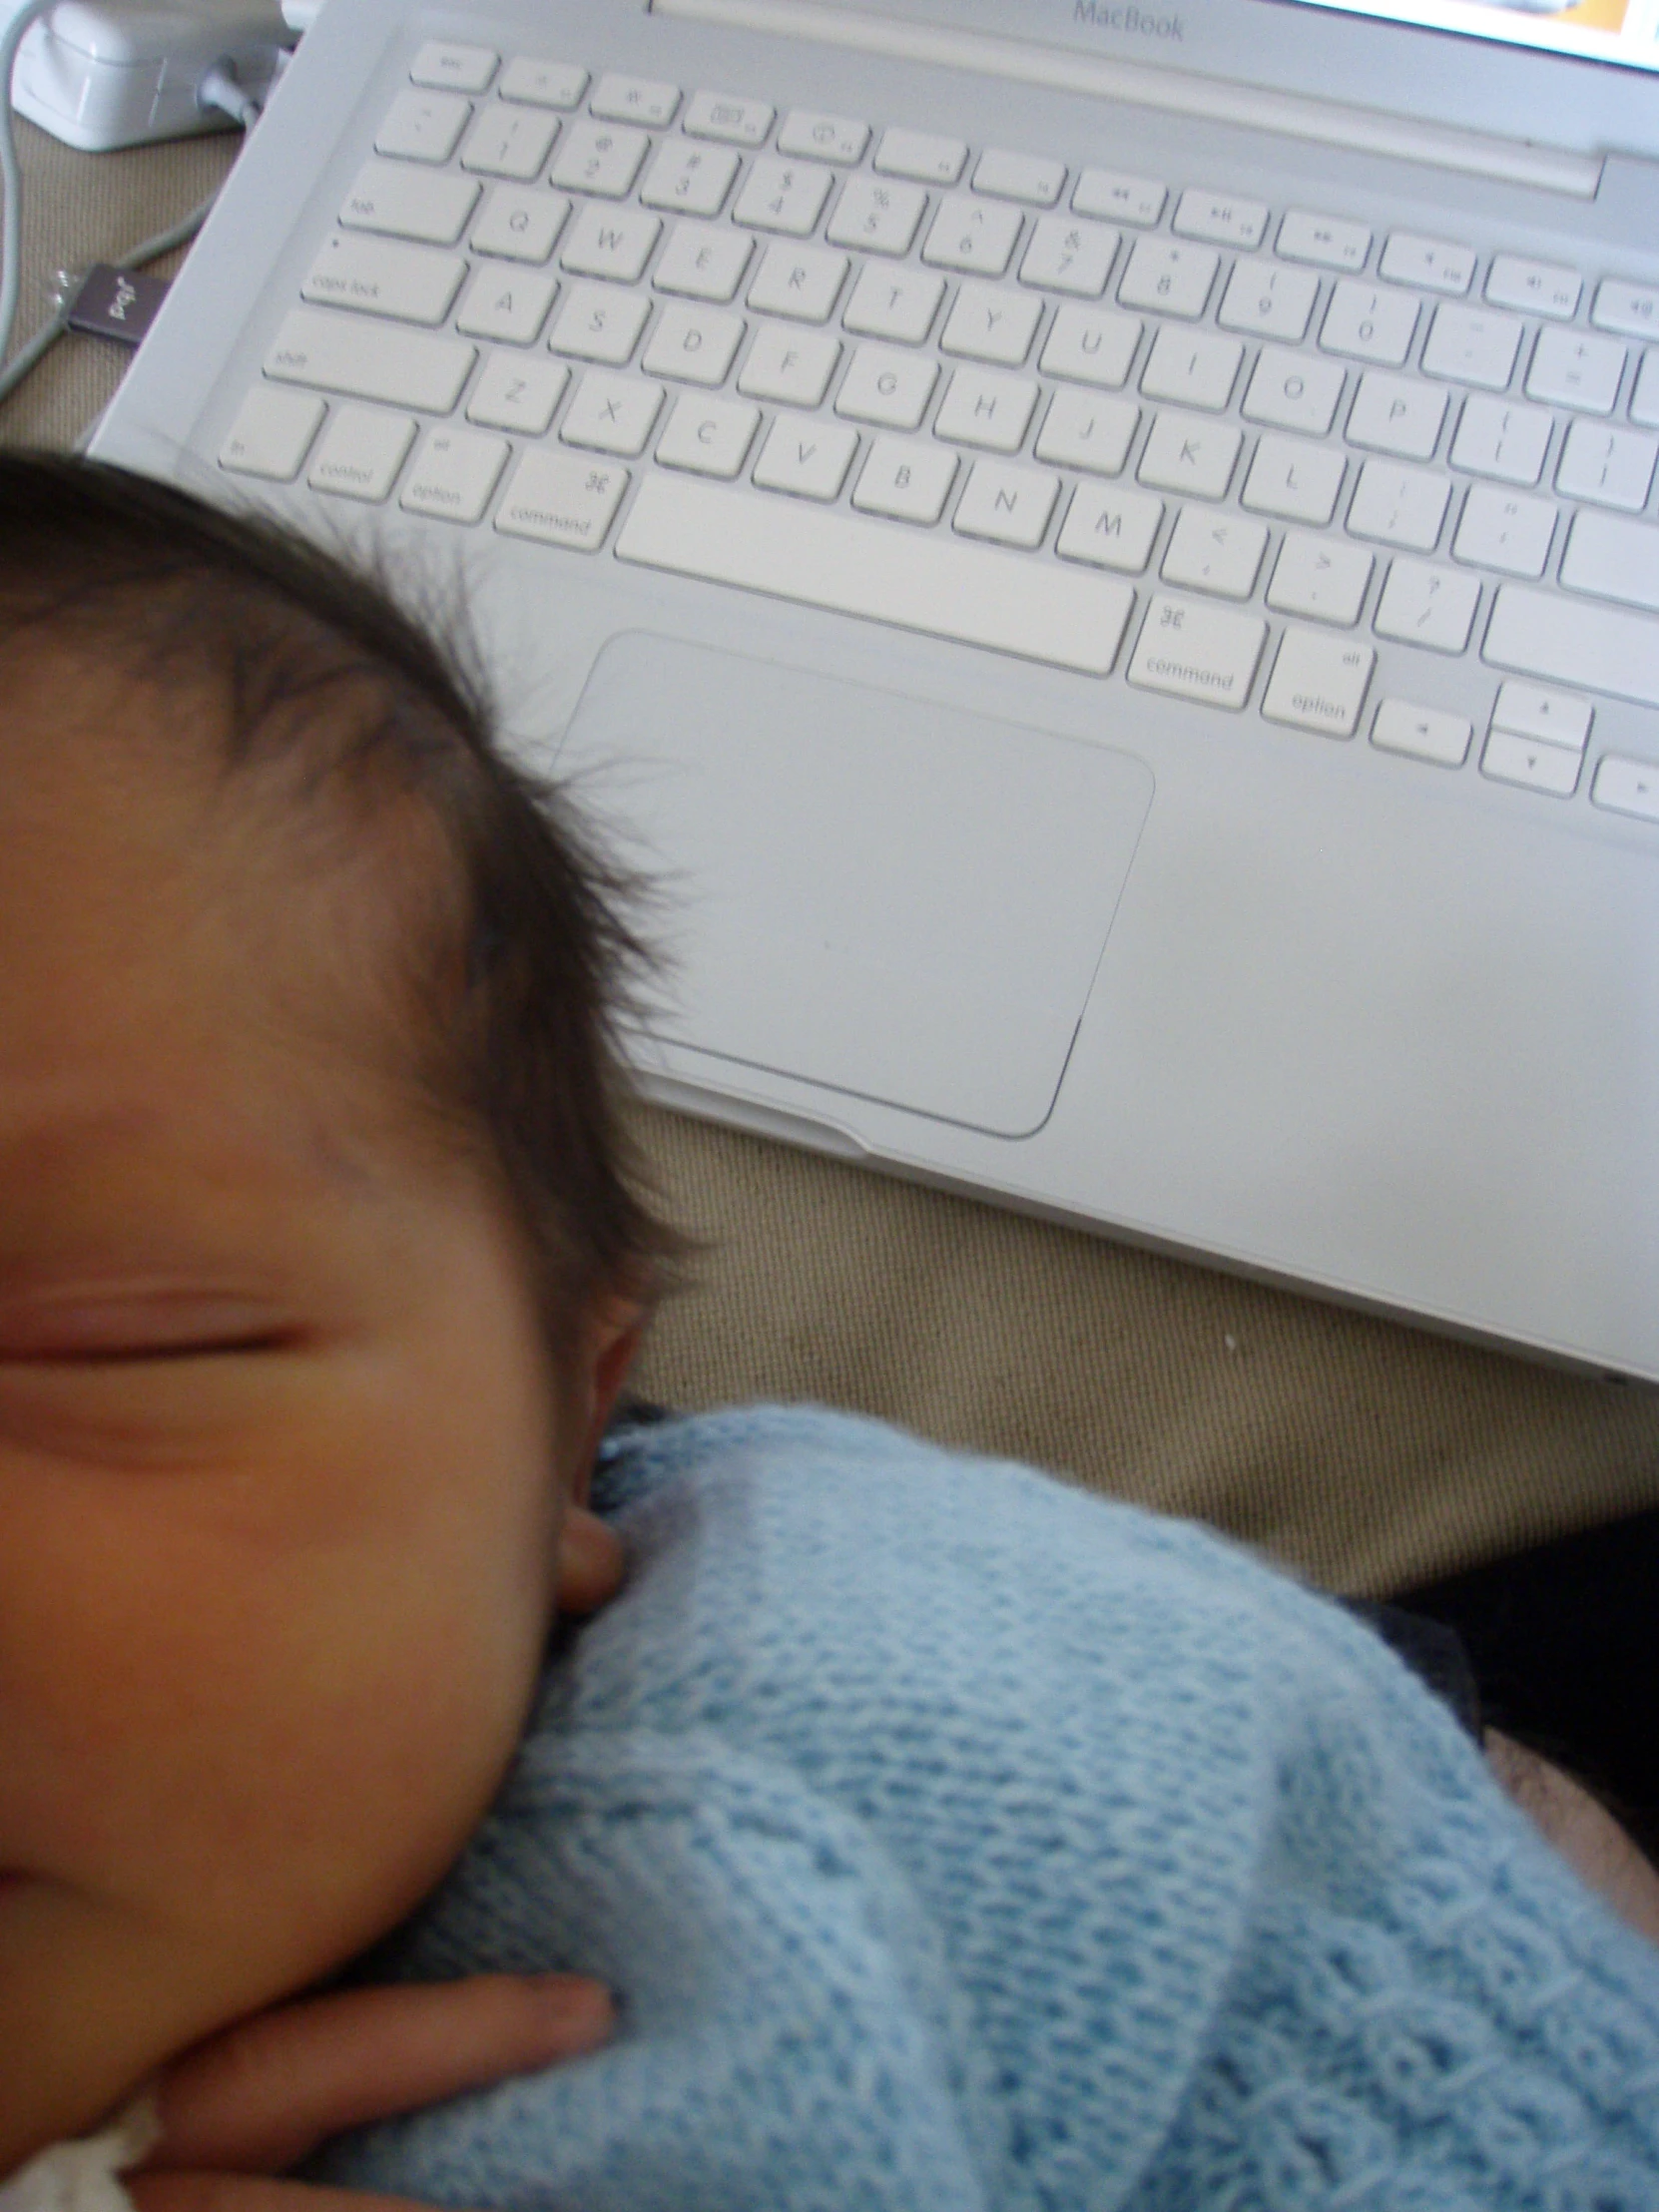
x,y
279,1460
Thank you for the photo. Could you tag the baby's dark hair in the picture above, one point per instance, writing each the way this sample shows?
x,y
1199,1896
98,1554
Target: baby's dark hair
x,y
522,960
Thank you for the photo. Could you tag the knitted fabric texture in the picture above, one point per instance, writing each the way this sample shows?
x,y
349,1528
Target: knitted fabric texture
x,y
960,1843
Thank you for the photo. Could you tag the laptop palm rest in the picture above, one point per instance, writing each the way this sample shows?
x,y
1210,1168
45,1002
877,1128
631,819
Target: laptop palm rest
x,y
887,896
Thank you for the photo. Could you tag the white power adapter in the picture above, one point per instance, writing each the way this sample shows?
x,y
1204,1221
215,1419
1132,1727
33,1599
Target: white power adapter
x,y
99,74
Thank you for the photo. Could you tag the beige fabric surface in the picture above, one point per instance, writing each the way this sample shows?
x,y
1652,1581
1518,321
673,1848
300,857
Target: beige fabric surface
x,y
1366,1453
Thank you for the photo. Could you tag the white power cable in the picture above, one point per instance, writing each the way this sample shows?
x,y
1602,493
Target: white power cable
x,y
219,88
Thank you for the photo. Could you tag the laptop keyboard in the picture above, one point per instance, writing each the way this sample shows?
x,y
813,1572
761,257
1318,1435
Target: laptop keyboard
x,y
1094,419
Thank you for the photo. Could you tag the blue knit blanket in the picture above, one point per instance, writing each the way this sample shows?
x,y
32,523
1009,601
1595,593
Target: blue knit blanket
x,y
960,1843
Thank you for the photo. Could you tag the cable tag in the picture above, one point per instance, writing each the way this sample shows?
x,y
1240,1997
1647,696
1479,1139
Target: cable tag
x,y
117,303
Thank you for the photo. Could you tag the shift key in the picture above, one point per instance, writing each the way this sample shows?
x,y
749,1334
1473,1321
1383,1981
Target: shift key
x,y
338,353
1574,642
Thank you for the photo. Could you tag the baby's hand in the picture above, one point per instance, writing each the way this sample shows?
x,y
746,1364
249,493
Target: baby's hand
x,y
256,2100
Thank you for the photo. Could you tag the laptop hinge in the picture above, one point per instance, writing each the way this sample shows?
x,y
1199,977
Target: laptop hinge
x,y
1364,129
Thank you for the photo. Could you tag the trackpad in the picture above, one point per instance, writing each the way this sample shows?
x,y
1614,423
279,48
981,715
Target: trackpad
x,y
884,895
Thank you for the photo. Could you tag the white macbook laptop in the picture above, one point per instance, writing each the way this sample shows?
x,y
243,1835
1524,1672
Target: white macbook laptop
x,y
1102,551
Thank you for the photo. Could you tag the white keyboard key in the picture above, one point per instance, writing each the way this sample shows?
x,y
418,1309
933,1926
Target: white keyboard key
x,y
1471,346
423,126
1426,604
513,393
543,84
404,203
784,196
612,414
1006,503
1082,429
1110,528
1369,324
801,282
560,500
1222,219
1319,683
876,217
507,304
1216,553
1323,239
1571,370
1535,287
610,241
454,474
1267,300
369,360
710,437
1397,414
1193,367
921,155
979,235
897,304
689,179
1091,346
717,115
981,595
1631,311
703,260
988,324
1197,652
1294,391
1321,578
1501,438
361,451
693,346
509,142
1613,559
454,68
1555,716
520,225
1508,758
1611,468
1425,732
1571,641
1169,277
805,456
618,99
1627,787
826,138
908,480
1508,530
599,322
601,158
1069,255
887,386
791,365
1644,400
1399,506
1032,178
406,284
983,406
1120,199
1434,264
1294,480
273,433
1189,453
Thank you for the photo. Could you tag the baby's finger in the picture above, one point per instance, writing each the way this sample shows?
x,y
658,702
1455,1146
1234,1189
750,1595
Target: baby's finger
x,y
266,2092
591,1562
208,2192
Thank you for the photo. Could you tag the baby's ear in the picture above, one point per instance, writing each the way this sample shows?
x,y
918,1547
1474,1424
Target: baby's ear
x,y
610,1339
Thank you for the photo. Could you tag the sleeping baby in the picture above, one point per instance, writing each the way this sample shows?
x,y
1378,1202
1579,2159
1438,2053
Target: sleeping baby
x,y
949,1841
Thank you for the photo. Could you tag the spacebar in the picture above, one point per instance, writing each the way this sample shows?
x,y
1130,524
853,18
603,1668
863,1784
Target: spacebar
x,y
1012,601
1573,642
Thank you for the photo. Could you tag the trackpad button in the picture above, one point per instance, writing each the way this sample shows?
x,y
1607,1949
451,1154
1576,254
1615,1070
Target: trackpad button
x,y
884,895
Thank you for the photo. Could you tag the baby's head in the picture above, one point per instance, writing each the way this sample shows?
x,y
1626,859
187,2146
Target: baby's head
x,y
319,1269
